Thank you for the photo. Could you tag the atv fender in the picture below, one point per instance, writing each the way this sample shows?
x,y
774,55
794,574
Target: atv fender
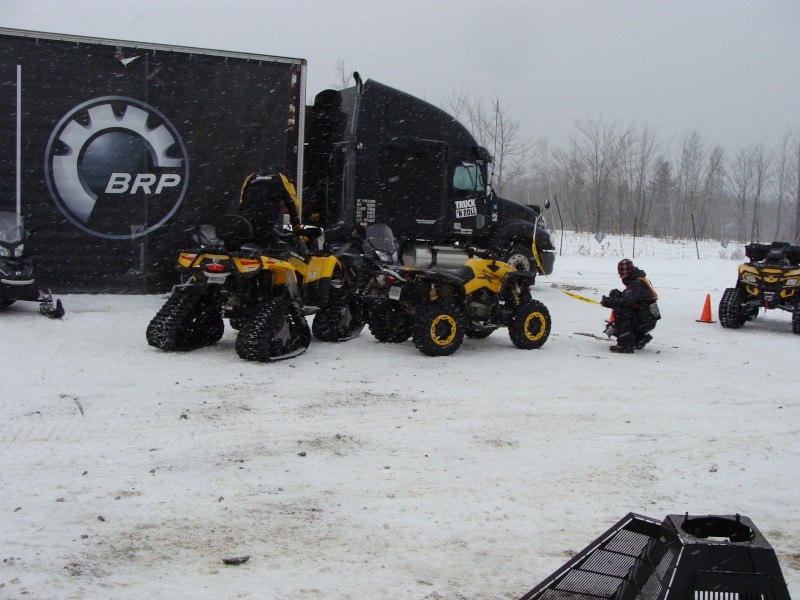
x,y
441,278
523,277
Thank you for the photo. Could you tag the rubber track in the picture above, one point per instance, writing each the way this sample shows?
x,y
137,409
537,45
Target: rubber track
x,y
256,339
325,326
730,309
178,326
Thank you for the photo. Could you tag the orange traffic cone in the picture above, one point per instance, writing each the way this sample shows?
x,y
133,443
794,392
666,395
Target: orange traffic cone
x,y
706,316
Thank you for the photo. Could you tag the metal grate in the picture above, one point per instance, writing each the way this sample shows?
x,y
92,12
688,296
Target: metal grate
x,y
617,565
710,557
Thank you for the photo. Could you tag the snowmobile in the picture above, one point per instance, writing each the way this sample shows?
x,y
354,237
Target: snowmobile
x,y
770,279
264,293
437,308
16,269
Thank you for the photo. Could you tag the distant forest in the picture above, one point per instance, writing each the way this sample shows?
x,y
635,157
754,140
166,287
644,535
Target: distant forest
x,y
625,179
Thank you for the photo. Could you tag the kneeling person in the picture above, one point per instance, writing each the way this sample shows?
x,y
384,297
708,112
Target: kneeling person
x,y
635,309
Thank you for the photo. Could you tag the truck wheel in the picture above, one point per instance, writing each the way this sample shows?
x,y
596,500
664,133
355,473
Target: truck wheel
x,y
438,329
389,322
521,258
341,320
529,326
730,309
796,319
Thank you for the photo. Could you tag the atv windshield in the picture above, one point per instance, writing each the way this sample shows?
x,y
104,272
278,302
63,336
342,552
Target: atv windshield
x,y
380,239
12,227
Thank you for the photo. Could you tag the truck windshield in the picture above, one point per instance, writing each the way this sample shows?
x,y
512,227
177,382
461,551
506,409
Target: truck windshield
x,y
467,177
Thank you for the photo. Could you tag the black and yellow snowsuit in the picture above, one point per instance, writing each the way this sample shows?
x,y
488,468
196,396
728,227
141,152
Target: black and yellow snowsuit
x,y
262,201
633,316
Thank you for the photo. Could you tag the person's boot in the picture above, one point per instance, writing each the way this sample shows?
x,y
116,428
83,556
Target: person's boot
x,y
621,349
644,341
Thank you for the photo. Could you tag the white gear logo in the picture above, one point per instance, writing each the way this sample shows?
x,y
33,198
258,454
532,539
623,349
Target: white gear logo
x,y
68,185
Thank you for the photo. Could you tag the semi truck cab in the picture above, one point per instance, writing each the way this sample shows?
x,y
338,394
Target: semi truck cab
x,y
376,154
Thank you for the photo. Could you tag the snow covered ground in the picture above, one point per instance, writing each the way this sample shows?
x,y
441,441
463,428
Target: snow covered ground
x,y
366,470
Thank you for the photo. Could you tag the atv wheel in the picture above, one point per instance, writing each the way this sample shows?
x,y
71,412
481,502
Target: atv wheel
x,y
521,258
796,319
390,322
276,330
190,318
5,303
529,326
730,309
438,329
341,320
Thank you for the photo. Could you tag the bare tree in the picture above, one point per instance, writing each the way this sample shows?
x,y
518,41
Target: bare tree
x,y
796,142
714,192
691,162
343,75
639,162
741,182
494,128
783,171
762,166
599,152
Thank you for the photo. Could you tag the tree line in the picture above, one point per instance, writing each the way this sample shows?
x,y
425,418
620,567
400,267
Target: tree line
x,y
625,179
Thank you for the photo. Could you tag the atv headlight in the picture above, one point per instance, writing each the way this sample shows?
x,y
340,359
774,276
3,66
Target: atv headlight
x,y
749,278
4,251
792,281
19,250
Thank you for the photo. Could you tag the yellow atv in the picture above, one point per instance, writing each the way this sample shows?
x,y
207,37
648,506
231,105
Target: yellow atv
x,y
439,307
265,294
770,279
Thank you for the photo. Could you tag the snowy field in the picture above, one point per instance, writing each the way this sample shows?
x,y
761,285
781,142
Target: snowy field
x,y
366,470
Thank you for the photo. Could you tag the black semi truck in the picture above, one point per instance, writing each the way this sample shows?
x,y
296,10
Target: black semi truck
x,y
376,154
112,150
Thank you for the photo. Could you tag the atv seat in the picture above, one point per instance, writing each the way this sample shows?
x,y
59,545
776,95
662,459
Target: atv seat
x,y
463,274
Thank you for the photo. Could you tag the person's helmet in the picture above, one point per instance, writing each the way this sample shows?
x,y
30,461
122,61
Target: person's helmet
x,y
625,268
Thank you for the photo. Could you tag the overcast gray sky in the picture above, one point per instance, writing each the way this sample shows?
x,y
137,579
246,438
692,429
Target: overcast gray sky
x,y
729,69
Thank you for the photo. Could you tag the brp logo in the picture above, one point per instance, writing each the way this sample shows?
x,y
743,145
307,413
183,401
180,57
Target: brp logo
x,y
116,167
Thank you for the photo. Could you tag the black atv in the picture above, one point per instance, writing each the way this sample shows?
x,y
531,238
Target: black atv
x,y
770,279
16,269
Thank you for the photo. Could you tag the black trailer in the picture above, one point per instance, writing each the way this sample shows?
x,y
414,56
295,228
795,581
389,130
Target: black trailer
x,y
112,149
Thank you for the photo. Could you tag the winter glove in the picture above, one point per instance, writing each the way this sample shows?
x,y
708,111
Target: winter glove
x,y
615,293
604,301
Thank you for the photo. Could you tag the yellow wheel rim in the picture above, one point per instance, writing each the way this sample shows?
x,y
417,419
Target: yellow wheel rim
x,y
447,322
535,326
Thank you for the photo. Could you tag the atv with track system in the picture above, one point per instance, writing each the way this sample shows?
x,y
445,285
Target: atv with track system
x,y
264,293
769,280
